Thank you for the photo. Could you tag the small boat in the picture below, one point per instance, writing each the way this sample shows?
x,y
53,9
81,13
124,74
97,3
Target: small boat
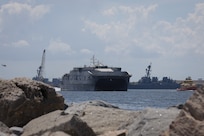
x,y
187,84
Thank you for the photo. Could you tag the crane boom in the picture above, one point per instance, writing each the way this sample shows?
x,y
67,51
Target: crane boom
x,y
40,70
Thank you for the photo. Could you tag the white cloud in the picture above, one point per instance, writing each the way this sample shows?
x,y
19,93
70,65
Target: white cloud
x,y
17,44
185,35
86,51
100,30
15,8
129,10
39,11
134,28
20,43
110,12
57,46
12,11
120,32
138,10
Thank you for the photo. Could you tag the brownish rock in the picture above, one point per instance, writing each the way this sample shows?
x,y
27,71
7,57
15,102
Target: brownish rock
x,y
23,99
190,121
54,122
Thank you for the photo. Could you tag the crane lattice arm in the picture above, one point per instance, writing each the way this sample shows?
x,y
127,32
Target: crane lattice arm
x,y
40,70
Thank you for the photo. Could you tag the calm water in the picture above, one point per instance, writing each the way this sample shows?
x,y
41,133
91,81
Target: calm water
x,y
133,99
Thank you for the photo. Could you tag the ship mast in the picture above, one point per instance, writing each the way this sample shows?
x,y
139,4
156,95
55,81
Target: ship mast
x,y
148,70
95,62
40,70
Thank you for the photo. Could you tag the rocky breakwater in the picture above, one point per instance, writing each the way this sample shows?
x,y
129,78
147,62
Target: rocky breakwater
x,y
36,109
22,100
94,118
190,121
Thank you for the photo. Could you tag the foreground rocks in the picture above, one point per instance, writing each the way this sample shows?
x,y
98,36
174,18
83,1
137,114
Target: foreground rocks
x,y
190,121
58,122
100,118
22,100
29,107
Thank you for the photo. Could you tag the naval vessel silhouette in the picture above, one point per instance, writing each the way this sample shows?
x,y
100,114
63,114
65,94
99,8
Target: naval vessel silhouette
x,y
96,77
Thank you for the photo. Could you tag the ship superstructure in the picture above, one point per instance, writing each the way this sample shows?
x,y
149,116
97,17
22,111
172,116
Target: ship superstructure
x,y
95,78
148,82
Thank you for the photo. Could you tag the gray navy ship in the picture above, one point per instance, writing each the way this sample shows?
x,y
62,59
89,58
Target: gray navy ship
x,y
148,82
96,77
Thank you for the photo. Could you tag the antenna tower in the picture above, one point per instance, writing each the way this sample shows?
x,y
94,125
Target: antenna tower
x,y
148,70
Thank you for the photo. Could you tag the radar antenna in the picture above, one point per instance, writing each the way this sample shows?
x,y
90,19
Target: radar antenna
x,y
148,70
95,62
40,70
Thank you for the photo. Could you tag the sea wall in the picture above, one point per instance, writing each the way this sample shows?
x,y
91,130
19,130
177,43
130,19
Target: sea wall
x,y
32,108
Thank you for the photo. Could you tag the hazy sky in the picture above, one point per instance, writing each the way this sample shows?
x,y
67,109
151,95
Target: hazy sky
x,y
125,33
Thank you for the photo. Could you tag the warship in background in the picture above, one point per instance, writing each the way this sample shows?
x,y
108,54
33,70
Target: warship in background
x,y
147,82
95,78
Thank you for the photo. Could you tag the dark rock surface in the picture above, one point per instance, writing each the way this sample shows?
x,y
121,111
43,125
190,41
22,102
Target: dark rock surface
x,y
22,100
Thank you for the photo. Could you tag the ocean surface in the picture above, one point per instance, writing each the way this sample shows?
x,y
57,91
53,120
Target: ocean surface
x,y
133,99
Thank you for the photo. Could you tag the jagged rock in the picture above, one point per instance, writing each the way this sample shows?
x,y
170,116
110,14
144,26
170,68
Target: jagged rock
x,y
58,133
4,130
16,130
190,121
115,133
54,122
105,120
92,119
22,100
152,121
78,108
102,104
101,116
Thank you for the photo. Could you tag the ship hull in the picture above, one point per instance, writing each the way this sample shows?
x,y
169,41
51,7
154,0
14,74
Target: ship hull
x,y
154,86
111,84
95,79
99,84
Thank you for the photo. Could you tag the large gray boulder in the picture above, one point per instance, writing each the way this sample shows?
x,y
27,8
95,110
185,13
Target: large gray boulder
x,y
152,121
103,119
107,119
56,122
22,100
